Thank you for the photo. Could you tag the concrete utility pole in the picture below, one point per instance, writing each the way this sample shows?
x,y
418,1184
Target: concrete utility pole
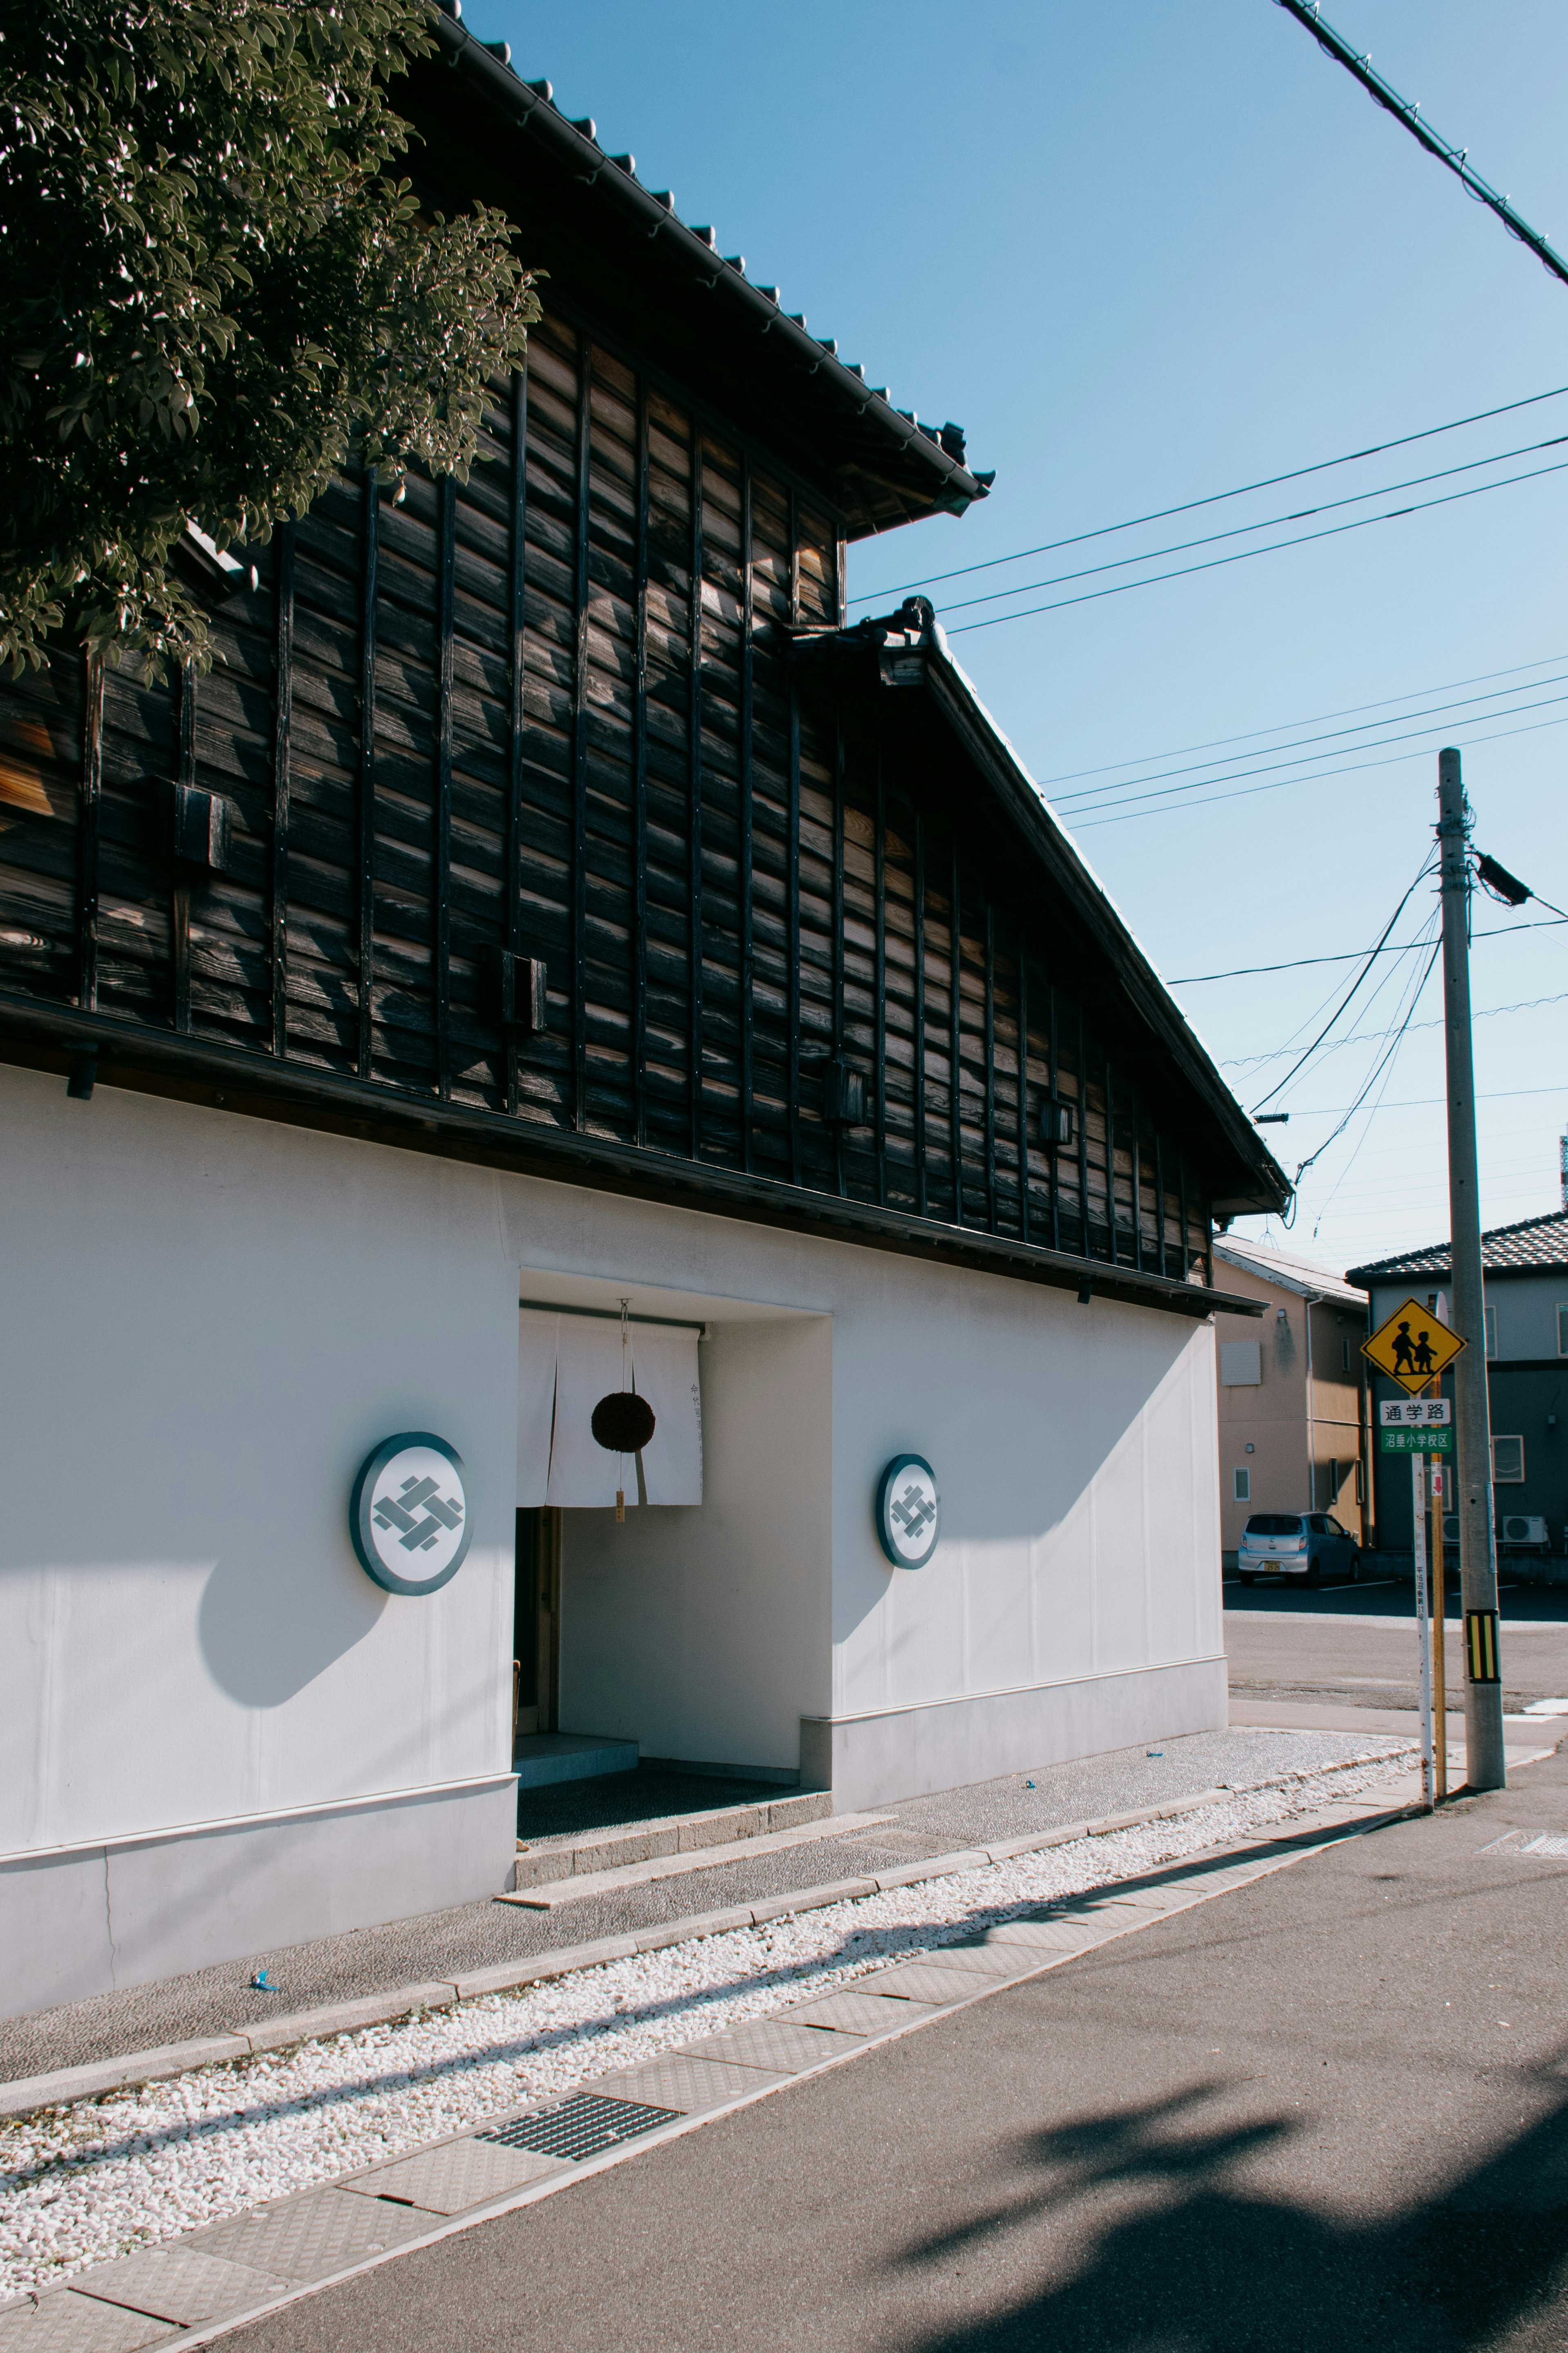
x,y
1484,1766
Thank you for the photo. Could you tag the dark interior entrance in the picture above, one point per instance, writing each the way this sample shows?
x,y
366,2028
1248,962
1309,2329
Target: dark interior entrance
x,y
536,1624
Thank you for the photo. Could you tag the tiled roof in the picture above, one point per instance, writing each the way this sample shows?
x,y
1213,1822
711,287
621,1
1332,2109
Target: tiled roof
x,y
1301,1275
1537,1243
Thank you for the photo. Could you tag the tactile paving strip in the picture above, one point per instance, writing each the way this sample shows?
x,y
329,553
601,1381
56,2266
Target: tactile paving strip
x,y
776,2043
181,2284
460,2174
927,1981
312,2236
858,2013
581,2127
64,2322
686,2085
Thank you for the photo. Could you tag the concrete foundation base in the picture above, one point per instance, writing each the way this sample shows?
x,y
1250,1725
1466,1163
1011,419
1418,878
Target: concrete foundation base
x,y
83,1920
910,1752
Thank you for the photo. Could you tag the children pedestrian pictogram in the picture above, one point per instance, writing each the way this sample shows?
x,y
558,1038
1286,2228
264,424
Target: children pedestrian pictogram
x,y
1413,1346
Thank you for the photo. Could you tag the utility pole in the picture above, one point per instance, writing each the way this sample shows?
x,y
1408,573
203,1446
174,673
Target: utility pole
x,y
1484,1765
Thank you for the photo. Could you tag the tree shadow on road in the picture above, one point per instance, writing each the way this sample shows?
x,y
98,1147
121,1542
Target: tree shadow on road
x,y
1190,2261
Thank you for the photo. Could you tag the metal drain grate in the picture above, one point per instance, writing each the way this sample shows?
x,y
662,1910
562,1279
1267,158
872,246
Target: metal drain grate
x,y
581,2127
1545,1845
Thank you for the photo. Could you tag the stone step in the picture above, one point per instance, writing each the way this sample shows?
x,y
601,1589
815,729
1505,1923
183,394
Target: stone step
x,y
574,1853
541,1757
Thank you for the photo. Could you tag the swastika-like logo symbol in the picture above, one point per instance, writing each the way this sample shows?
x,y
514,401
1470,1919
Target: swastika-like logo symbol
x,y
912,1510
418,1496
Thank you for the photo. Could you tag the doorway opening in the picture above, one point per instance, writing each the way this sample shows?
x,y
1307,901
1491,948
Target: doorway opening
x,y
536,1624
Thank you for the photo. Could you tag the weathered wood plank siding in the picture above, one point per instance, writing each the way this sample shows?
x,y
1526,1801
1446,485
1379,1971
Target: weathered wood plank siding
x,y
553,711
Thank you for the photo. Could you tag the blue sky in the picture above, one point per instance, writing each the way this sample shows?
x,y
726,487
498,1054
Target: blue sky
x,y
1145,253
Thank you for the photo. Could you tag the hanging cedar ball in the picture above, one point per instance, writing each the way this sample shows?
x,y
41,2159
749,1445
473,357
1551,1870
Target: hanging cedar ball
x,y
623,1422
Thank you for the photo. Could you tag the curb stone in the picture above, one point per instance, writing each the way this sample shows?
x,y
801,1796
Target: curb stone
x,y
65,2086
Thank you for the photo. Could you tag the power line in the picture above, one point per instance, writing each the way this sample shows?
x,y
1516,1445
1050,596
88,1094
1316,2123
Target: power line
x,y
1265,522
1313,719
1429,1102
1352,956
1217,498
1306,13
1096,797
1369,1036
1422,871
1245,554
1385,1069
1323,776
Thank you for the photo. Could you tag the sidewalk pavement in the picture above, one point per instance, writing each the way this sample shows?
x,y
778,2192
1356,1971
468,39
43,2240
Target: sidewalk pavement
x,y
458,1943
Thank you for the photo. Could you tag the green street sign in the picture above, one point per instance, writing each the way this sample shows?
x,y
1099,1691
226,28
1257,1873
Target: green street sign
x,y
1439,1440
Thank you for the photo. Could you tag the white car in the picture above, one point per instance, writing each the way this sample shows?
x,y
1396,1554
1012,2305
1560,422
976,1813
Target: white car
x,y
1308,1544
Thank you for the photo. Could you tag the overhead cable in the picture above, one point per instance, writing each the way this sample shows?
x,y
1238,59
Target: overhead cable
x,y
1217,498
1265,522
1245,554
1454,158
1208,772
1428,862
1352,955
1312,718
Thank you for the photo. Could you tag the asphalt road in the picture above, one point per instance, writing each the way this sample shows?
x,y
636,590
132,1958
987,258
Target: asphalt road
x,y
1333,1653
1328,2113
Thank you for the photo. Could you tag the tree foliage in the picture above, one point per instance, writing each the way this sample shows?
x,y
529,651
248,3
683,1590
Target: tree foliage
x,y
215,288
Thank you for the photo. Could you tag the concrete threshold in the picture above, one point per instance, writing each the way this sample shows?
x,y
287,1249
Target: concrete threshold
x,y
582,1852
676,1860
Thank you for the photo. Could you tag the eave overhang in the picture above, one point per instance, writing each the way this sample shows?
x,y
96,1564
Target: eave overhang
x,y
199,1072
880,467
908,649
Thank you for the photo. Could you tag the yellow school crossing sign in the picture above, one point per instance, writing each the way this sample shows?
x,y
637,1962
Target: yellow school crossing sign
x,y
1413,1346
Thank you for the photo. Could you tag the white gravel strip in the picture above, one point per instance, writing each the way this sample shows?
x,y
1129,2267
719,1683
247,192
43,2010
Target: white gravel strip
x,y
134,2167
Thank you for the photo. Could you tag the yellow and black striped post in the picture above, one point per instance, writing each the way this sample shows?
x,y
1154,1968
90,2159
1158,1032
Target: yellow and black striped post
x,y
1480,1646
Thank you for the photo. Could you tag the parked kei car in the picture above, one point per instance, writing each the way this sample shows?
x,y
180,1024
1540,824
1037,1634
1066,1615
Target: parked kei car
x,y
1308,1544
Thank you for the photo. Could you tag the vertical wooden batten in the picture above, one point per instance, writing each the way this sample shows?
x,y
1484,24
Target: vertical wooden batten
x,y
880,1009
918,1079
446,510
1023,1063
838,944
694,802
90,806
365,846
746,1009
989,1066
180,886
283,693
955,1039
579,854
639,777
516,698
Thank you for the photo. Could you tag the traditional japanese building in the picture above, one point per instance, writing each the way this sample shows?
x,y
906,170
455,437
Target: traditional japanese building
x,y
551,954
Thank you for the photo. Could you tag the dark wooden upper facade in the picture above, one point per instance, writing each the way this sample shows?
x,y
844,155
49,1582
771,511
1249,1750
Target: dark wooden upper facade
x,y
813,950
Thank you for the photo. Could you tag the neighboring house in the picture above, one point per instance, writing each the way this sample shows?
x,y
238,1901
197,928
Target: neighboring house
x,y
1525,1279
548,900
1292,1400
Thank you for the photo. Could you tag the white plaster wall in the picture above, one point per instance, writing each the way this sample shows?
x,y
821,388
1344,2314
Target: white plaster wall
x,y
704,1634
207,1321
1076,1452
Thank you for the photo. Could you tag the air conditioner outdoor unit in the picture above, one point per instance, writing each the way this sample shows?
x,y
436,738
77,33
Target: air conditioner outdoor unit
x,y
1525,1528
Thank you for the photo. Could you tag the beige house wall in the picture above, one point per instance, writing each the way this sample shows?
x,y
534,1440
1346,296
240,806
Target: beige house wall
x,y
1302,1420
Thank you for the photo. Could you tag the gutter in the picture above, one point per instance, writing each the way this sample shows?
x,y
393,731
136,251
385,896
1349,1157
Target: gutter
x,y
533,111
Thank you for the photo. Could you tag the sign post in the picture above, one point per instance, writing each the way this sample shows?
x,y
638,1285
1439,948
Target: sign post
x,y
1423,1630
1413,1348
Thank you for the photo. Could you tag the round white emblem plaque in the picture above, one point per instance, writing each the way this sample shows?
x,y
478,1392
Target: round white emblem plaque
x,y
909,1510
409,1512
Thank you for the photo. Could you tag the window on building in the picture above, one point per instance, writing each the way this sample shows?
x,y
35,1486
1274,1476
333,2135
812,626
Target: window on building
x,y
1508,1462
1490,1317
1344,1356
1243,1486
1563,1328
1361,1482
1240,1364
